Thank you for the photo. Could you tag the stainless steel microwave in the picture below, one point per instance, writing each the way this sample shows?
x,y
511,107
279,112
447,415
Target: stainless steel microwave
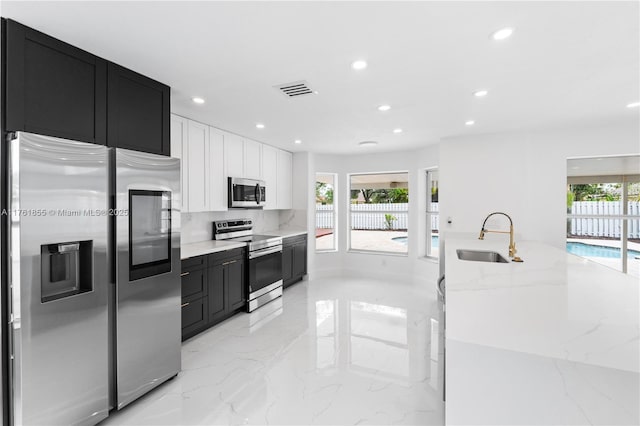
x,y
247,193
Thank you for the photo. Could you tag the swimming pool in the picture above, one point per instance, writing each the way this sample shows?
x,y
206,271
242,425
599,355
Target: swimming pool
x,y
589,250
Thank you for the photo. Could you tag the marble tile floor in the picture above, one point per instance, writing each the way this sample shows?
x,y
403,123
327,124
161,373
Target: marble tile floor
x,y
331,351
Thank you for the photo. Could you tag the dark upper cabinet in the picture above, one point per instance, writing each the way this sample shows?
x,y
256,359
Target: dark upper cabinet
x,y
138,112
53,88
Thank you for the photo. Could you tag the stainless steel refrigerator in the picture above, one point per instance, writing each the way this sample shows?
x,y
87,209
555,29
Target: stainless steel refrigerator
x,y
148,293
94,300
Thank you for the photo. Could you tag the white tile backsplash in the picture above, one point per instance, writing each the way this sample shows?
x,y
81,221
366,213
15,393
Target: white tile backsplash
x,y
198,227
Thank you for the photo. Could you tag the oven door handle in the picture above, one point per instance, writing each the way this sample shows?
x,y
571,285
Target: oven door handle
x,y
260,253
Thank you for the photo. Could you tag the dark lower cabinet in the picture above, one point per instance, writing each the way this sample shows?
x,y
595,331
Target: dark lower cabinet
x,y
236,297
287,263
213,289
294,259
194,283
217,309
194,317
53,88
195,288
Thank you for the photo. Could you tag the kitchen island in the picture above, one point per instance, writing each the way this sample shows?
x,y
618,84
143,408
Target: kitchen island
x,y
552,340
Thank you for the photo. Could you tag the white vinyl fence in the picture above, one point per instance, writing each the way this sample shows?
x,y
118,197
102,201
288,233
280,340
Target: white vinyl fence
x,y
372,216
324,216
603,227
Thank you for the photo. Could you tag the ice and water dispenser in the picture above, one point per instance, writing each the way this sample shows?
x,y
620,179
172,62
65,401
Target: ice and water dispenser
x,y
66,269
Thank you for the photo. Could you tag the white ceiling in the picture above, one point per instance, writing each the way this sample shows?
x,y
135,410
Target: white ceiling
x,y
567,64
604,166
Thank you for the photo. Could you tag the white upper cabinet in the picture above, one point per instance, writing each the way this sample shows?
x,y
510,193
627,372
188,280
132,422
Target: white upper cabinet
x,y
178,140
252,159
233,155
197,168
209,156
270,175
217,177
284,189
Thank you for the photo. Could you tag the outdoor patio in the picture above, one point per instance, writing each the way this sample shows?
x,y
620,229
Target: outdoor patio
x,y
633,262
368,240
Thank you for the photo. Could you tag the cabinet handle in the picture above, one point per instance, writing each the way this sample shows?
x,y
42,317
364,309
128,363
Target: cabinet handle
x,y
184,304
184,274
229,262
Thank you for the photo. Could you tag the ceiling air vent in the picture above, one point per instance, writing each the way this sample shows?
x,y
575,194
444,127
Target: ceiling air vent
x,y
295,89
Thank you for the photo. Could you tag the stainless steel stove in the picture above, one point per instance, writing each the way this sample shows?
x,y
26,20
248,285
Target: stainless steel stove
x,y
264,260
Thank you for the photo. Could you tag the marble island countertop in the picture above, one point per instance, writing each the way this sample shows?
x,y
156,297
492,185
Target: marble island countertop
x,y
552,340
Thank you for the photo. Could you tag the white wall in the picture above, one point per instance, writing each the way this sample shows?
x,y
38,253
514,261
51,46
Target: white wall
x,y
522,174
375,265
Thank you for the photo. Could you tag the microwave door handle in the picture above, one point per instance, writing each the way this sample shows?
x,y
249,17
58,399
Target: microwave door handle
x,y
256,192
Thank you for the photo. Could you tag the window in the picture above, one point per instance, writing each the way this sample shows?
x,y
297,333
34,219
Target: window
x,y
603,212
325,212
432,216
379,212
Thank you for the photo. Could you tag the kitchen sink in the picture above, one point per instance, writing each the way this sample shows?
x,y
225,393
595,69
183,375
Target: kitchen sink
x,y
481,256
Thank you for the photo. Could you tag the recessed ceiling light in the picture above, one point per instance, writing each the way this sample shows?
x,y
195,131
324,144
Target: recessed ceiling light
x,y
397,130
260,126
197,100
368,143
359,65
502,33
384,108
297,141
480,93
633,105
469,123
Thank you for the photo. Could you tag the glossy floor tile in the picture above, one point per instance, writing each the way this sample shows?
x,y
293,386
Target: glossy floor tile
x,y
331,351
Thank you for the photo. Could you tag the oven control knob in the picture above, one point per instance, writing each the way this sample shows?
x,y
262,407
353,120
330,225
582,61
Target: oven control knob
x,y
224,225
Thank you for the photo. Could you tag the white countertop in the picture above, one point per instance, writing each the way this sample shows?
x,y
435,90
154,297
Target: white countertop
x,y
214,246
566,332
207,247
285,232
